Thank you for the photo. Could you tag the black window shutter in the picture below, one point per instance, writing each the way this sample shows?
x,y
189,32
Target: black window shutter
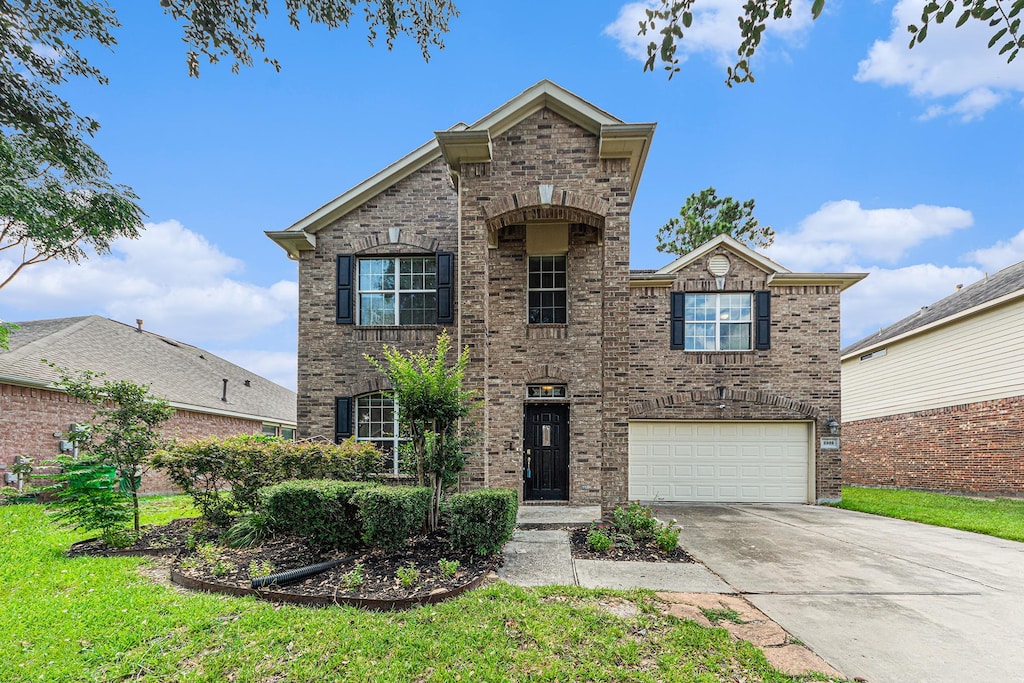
x,y
445,287
763,306
344,295
342,418
678,320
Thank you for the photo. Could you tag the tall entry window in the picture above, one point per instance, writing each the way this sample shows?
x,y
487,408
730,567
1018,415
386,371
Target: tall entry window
x,y
718,322
377,422
398,291
547,291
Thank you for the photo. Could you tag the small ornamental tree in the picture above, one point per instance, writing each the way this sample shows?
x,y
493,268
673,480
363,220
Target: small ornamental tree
x,y
705,216
125,426
431,401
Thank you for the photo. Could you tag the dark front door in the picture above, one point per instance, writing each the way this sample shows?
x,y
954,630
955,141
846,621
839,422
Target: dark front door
x,y
546,452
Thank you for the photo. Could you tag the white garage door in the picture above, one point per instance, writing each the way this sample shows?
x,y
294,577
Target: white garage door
x,y
763,462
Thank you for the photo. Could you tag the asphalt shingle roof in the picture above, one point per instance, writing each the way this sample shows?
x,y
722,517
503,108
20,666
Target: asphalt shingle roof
x,y
1006,281
184,375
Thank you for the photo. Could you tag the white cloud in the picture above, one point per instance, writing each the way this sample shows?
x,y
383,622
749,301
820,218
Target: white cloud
x,y
171,277
841,233
888,295
952,63
715,30
1000,255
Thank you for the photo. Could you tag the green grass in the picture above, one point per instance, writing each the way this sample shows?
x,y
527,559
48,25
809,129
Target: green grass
x,y
1002,517
99,619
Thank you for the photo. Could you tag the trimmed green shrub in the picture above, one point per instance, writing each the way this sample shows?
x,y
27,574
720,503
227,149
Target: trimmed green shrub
x,y
392,514
223,475
483,520
320,510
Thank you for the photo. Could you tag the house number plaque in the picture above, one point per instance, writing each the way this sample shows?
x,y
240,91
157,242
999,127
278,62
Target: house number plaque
x,y
830,443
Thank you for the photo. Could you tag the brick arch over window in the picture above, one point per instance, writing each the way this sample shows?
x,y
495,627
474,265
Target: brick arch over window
x,y
371,386
528,205
641,408
382,243
545,374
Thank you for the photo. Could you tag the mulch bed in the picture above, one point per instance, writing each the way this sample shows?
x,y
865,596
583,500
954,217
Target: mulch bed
x,y
233,568
645,551
155,540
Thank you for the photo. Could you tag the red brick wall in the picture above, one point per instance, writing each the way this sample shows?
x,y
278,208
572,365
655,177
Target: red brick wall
x,y
29,417
975,448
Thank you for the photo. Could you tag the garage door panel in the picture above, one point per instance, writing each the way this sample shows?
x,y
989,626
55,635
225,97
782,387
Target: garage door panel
x,y
742,462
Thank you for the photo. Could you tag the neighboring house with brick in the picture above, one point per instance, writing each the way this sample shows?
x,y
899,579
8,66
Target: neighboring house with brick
x,y
936,401
512,233
211,396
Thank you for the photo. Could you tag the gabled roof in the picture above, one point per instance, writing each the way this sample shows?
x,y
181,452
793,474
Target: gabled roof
x,y
734,245
618,140
994,290
778,276
184,375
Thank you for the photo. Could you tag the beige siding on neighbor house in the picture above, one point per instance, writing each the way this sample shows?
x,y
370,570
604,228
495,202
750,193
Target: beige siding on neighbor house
x,y
978,358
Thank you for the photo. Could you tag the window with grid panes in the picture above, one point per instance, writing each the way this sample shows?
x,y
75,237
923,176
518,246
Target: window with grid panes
x,y
377,422
546,289
718,322
397,290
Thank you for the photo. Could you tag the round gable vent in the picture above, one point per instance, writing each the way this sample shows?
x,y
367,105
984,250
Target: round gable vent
x,y
718,265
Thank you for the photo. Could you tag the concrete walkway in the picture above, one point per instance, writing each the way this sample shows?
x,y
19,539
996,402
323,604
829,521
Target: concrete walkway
x,y
881,599
539,555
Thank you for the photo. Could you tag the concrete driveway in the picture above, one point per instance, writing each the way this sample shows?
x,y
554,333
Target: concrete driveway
x,y
878,598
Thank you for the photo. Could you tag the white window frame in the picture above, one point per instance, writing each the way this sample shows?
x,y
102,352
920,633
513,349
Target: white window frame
x,y
718,322
397,291
395,439
530,289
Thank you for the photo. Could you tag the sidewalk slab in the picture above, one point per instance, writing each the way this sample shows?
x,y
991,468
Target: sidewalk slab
x,y
670,576
538,558
556,516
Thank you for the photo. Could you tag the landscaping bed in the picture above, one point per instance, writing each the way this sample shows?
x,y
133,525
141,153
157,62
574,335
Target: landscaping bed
x,y
640,551
165,539
373,578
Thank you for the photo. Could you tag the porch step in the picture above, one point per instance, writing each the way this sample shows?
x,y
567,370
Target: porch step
x,y
556,516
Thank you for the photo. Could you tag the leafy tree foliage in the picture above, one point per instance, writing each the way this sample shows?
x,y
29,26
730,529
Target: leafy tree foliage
x,y
50,211
55,193
704,216
125,433
216,29
431,401
670,20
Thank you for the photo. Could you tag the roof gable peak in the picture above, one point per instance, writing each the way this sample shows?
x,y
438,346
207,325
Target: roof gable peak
x,y
729,243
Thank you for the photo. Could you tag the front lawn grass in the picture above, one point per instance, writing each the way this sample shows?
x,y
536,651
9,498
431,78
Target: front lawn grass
x,y
1002,517
90,619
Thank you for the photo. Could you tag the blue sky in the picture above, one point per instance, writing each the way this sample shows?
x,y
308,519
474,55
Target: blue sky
x,y
862,155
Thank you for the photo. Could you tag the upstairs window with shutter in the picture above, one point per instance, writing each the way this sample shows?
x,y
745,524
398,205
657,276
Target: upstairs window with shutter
x,y
397,290
715,322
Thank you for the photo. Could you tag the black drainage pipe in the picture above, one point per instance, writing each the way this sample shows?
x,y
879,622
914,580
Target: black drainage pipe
x,y
293,575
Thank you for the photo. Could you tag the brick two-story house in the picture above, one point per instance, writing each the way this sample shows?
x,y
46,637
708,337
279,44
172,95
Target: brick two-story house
x,y
513,234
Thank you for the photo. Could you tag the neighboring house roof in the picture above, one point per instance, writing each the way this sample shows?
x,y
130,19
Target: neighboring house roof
x,y
471,143
1006,285
778,275
186,376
